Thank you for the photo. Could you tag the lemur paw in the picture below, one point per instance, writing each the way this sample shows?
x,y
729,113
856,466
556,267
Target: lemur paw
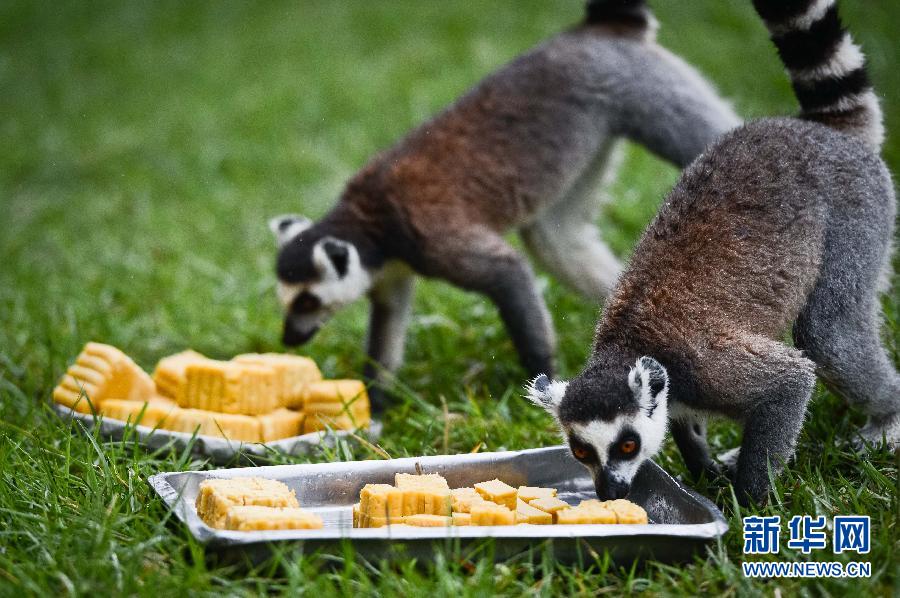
x,y
379,400
729,460
879,431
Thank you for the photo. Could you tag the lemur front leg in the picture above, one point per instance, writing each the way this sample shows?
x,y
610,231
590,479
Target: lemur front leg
x,y
390,306
689,432
768,385
485,263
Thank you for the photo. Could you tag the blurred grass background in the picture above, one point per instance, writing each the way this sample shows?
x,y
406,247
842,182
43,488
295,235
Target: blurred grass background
x,y
144,146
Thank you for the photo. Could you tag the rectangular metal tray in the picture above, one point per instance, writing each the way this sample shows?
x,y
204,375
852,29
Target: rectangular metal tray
x,y
219,450
681,520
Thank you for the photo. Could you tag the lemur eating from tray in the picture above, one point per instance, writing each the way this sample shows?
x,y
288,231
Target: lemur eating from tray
x,y
782,221
526,149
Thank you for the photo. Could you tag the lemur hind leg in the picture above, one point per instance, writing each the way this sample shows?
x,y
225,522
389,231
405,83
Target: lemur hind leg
x,y
565,240
768,385
390,306
483,262
839,330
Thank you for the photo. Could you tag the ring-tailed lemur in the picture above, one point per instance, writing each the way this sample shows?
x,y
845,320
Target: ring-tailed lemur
x,y
784,220
525,149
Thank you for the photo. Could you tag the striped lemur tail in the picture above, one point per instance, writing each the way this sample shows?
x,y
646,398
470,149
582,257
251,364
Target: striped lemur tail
x,y
629,14
828,70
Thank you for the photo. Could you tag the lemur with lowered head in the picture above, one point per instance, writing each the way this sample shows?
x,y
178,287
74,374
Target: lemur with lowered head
x,y
525,149
784,220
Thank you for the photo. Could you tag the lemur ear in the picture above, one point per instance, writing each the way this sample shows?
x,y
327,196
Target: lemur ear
x,y
332,254
649,382
546,394
287,227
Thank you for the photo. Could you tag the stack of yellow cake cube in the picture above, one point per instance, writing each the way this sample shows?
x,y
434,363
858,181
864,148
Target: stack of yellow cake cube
x,y
383,504
427,501
335,404
252,504
256,397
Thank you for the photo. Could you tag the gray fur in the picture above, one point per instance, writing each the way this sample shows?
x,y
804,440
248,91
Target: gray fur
x,y
781,221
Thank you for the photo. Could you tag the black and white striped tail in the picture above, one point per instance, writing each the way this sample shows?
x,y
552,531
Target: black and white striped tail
x,y
632,14
827,69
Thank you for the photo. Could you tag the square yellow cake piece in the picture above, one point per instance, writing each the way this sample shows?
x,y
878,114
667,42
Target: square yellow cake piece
x,y
489,513
229,387
216,496
375,522
347,392
293,374
428,480
150,414
253,518
462,499
550,505
380,500
425,520
169,372
529,493
430,501
498,492
318,422
525,513
461,519
336,404
589,511
626,511
281,423
239,428
102,372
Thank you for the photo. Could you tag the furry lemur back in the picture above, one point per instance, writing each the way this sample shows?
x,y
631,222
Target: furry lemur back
x,y
783,222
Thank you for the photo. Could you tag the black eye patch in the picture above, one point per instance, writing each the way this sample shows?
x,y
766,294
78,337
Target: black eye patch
x,y
582,451
305,303
627,446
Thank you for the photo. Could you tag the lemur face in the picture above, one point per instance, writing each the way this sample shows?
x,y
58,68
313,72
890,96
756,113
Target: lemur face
x,y
613,420
317,276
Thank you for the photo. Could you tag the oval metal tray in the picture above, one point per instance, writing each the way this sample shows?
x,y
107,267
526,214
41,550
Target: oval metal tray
x,y
682,521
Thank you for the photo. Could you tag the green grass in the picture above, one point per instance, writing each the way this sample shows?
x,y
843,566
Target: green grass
x,y
143,148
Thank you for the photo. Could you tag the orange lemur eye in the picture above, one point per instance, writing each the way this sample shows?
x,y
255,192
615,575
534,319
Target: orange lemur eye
x,y
628,447
580,453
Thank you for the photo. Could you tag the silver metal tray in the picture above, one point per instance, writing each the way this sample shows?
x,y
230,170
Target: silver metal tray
x,y
681,520
219,450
